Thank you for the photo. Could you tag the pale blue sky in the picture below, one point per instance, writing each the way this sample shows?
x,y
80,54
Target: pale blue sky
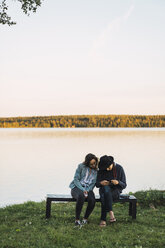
x,y
84,57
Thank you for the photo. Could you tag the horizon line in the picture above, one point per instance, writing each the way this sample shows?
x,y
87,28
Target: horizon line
x,y
82,115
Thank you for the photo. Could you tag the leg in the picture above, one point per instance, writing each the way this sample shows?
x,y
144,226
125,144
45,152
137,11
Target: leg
x,y
91,204
48,208
106,201
103,208
108,198
80,198
115,196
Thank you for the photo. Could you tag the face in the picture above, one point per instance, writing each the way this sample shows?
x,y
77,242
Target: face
x,y
92,164
110,167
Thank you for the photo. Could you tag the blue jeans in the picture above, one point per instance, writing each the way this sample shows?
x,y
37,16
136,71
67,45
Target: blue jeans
x,y
107,195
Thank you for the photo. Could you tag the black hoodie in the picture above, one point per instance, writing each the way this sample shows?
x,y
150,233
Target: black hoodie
x,y
111,175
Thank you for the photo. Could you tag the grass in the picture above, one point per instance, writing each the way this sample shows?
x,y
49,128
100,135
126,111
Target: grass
x,y
25,226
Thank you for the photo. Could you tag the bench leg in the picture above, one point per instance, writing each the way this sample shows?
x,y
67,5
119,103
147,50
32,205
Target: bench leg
x,y
48,208
130,208
134,210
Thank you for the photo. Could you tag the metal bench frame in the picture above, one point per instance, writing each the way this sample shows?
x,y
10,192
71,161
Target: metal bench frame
x,y
68,198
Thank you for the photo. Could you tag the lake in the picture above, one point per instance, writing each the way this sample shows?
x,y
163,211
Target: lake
x,y
34,162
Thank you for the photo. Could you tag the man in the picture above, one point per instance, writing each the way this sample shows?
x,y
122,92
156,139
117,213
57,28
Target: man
x,y
111,180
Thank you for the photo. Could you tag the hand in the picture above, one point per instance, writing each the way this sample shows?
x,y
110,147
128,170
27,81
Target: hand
x,y
115,182
86,194
104,182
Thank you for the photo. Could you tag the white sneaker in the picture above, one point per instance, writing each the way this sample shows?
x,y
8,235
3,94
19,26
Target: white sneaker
x,y
84,222
78,224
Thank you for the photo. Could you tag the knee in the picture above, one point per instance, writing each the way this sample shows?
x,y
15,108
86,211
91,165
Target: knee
x,y
91,201
107,189
81,198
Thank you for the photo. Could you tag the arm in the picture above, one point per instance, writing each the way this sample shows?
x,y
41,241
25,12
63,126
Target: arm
x,y
122,180
98,184
77,178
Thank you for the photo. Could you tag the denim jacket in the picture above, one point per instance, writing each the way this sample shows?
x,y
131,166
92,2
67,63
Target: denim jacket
x,y
79,174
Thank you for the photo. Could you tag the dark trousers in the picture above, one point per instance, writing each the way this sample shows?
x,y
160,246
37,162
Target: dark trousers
x,y
107,195
80,199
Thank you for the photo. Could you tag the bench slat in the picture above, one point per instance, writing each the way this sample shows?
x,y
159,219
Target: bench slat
x,y
70,198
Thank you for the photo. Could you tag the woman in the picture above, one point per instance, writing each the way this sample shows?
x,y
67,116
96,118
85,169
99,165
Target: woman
x,y
82,187
111,181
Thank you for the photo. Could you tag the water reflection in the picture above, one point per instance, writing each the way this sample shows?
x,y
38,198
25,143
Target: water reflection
x,y
34,162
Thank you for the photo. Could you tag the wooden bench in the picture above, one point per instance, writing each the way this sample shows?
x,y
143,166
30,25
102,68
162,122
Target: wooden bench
x,y
68,198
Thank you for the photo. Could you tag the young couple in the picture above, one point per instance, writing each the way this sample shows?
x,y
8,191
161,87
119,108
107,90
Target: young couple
x,y
106,175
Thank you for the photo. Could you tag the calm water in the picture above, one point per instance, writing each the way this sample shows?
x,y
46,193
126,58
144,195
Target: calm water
x,y
34,162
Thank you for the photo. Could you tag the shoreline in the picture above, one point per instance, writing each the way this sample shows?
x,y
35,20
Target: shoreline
x,y
144,197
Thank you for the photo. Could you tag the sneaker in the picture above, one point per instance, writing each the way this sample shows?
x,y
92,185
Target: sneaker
x,y
84,222
78,223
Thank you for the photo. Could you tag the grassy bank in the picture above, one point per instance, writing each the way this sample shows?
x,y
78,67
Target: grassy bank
x,y
25,226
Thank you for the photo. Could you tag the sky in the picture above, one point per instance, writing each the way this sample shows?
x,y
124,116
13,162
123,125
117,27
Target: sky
x,y
84,57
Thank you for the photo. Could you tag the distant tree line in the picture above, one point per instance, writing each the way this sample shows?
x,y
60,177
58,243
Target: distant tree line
x,y
75,121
